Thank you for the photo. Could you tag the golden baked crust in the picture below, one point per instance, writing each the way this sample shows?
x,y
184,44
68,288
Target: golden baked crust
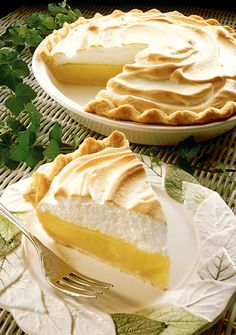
x,y
40,181
156,116
215,100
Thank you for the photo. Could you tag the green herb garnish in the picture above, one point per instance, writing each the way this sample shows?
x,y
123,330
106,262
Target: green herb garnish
x,y
20,131
192,157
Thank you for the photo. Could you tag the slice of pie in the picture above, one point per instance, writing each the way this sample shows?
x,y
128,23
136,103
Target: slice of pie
x,y
98,200
159,68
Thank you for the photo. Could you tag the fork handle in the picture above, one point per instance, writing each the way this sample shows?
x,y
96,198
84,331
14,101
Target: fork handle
x,y
6,213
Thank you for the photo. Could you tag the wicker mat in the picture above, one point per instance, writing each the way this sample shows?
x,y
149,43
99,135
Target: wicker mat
x,y
221,149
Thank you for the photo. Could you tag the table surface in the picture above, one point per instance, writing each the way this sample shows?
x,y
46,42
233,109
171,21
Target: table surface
x,y
221,149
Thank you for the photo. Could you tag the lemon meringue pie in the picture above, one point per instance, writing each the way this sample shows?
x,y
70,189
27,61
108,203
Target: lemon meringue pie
x,y
159,68
98,200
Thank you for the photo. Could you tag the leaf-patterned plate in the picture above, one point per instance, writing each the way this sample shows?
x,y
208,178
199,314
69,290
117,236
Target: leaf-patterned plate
x,y
201,241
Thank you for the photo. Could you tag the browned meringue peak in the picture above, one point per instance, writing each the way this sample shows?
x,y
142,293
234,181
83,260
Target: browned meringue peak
x,y
103,170
113,175
43,176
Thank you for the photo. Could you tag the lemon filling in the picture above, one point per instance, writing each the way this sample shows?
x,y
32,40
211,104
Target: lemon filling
x,y
85,74
151,267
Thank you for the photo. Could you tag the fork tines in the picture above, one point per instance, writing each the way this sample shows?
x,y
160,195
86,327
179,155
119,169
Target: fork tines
x,y
80,285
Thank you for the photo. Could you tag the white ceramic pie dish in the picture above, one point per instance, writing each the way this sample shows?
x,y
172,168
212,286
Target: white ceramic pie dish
x,y
74,98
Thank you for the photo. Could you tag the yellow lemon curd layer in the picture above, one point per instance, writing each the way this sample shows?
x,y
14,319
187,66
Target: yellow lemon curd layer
x,y
150,267
85,74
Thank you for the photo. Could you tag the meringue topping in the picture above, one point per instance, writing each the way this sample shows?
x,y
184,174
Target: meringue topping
x,y
106,171
112,175
172,64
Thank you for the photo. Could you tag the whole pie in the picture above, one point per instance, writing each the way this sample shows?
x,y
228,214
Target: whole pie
x,y
158,68
99,201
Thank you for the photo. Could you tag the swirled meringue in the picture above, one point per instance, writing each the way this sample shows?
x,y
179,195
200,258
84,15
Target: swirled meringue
x,y
177,69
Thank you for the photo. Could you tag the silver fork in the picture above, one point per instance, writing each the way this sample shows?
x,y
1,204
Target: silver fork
x,y
57,273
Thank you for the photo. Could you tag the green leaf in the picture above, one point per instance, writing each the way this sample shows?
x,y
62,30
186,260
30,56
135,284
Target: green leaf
x,y
20,69
5,136
12,55
22,31
15,125
77,12
10,236
7,77
32,20
14,37
222,167
20,151
34,155
62,18
174,181
53,150
25,93
189,148
152,151
26,150
2,44
55,9
56,132
33,38
76,141
15,105
48,22
3,57
132,324
184,164
156,160
66,148
11,164
153,163
64,4
4,153
35,117
40,25
179,320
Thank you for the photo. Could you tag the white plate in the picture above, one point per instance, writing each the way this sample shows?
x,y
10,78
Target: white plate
x,y
74,98
201,241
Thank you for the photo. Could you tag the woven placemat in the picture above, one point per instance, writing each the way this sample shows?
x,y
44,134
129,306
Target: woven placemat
x,y
221,149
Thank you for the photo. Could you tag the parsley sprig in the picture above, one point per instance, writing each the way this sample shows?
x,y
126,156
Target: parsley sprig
x,y
20,127
32,29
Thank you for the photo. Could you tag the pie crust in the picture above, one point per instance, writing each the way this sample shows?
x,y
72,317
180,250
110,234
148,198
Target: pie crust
x,y
41,180
185,73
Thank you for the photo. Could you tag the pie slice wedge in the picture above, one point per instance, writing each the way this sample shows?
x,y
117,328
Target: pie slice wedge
x,y
98,200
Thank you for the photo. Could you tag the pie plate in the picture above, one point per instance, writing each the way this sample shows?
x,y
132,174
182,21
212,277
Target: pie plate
x,y
75,97
201,243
